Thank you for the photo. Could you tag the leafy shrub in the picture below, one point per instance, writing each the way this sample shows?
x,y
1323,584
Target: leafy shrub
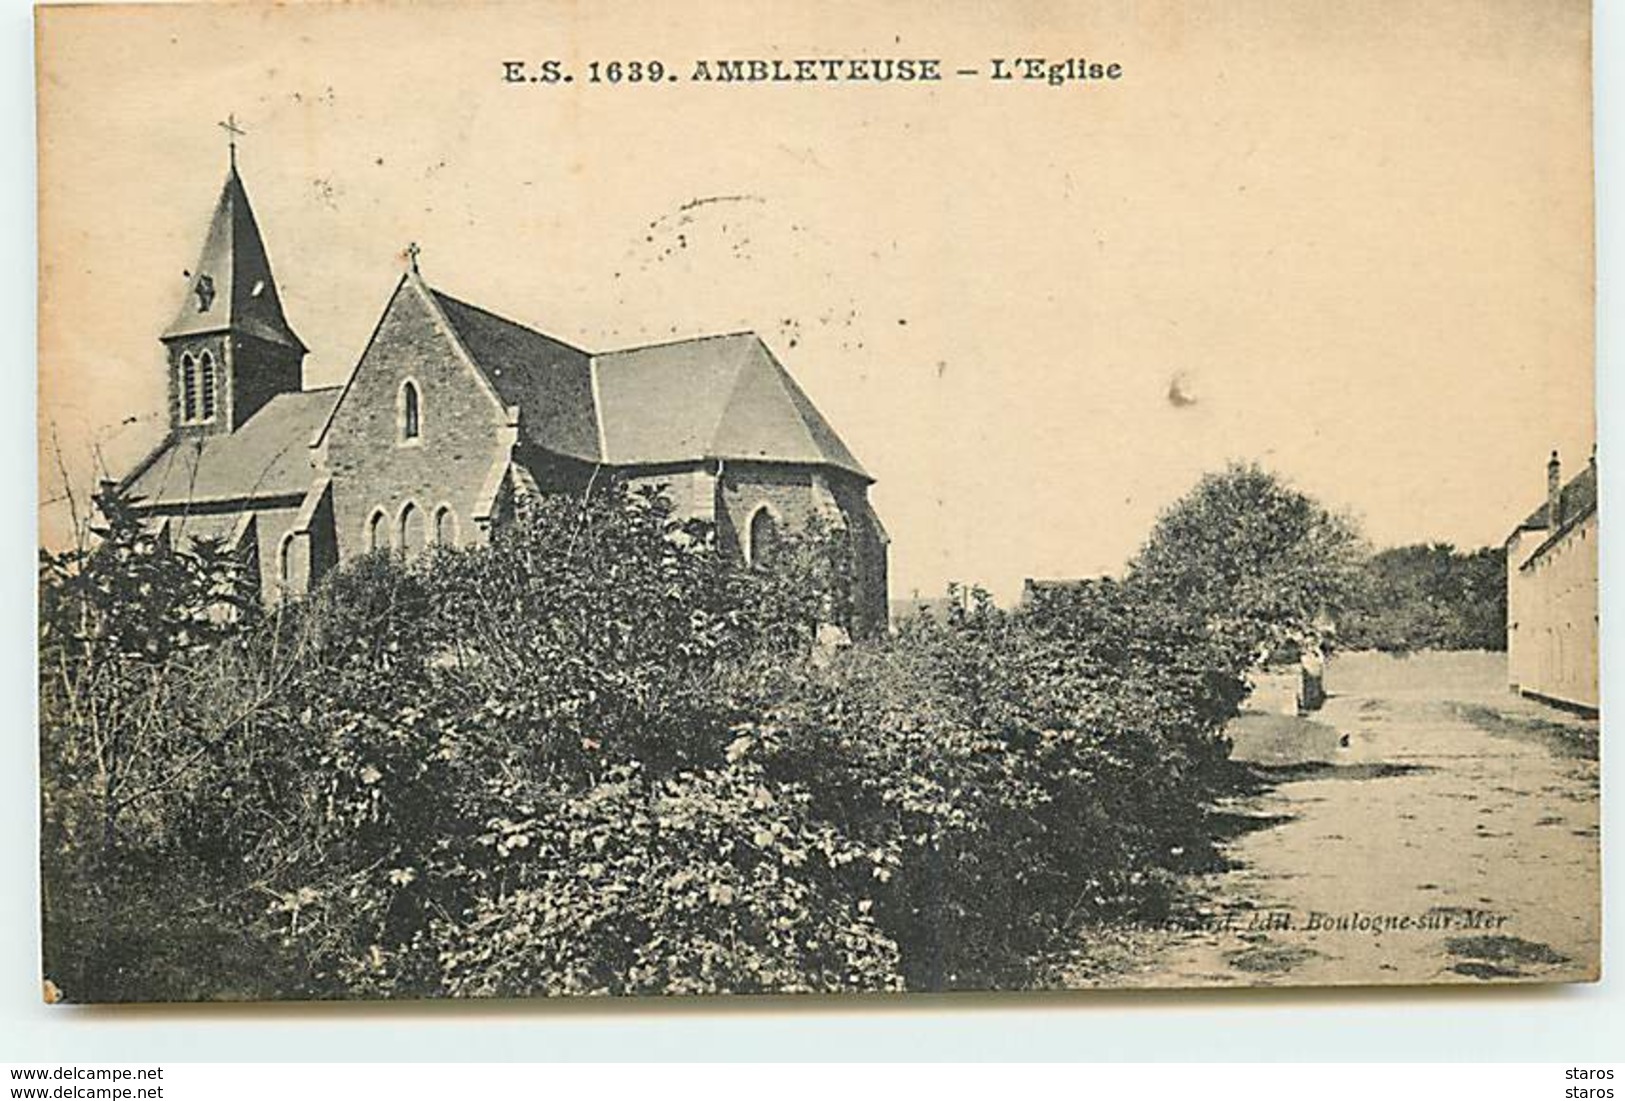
x,y
716,881
142,691
1023,772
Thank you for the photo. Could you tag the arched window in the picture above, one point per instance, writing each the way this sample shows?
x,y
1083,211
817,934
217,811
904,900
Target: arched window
x,y
764,537
206,386
412,528
376,536
284,561
188,387
445,526
411,413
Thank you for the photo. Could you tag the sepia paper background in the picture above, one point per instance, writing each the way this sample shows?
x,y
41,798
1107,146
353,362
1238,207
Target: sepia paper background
x,y
1419,215
1351,241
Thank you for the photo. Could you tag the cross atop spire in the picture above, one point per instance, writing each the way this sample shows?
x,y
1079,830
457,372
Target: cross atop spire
x,y
233,132
412,251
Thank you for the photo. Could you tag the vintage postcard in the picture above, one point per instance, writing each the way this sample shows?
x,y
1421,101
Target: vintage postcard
x,y
547,499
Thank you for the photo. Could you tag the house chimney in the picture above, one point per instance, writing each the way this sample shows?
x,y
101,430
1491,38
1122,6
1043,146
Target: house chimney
x,y
1554,493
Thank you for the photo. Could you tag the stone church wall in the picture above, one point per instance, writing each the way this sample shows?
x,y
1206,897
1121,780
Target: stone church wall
x,y
871,598
795,495
460,443
270,525
259,371
691,489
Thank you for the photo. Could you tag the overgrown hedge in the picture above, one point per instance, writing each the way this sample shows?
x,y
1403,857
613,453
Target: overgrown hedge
x,y
599,756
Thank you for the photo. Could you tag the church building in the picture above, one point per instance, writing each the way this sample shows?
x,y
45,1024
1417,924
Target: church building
x,y
452,414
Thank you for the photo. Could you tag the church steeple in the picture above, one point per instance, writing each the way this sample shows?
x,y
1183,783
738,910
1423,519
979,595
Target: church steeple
x,y
230,345
232,288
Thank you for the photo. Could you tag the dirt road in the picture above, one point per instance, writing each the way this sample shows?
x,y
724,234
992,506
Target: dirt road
x,y
1426,826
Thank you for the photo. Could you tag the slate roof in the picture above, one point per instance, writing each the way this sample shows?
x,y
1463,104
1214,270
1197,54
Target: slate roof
x,y
721,397
1576,500
268,456
714,397
548,379
233,275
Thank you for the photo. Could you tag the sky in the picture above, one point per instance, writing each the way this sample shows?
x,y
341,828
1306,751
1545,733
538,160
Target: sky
x,y
1349,241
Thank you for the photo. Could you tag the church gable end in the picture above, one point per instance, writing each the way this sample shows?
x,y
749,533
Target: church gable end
x,y
417,431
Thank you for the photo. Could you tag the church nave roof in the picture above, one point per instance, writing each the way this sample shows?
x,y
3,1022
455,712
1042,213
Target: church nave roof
x,y
268,456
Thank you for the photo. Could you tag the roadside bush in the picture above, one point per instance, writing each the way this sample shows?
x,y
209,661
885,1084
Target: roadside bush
x,y
1021,773
143,692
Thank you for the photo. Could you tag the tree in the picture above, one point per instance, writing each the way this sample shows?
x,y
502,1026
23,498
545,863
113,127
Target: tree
x,y
1262,563
1430,596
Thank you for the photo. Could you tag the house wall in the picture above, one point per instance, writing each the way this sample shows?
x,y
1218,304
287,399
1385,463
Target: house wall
x,y
463,436
1521,614
1552,616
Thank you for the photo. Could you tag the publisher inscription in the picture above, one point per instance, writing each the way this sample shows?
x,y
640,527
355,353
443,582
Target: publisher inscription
x,y
1038,71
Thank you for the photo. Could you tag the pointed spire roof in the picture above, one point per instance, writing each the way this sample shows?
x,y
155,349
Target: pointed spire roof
x,y
231,287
